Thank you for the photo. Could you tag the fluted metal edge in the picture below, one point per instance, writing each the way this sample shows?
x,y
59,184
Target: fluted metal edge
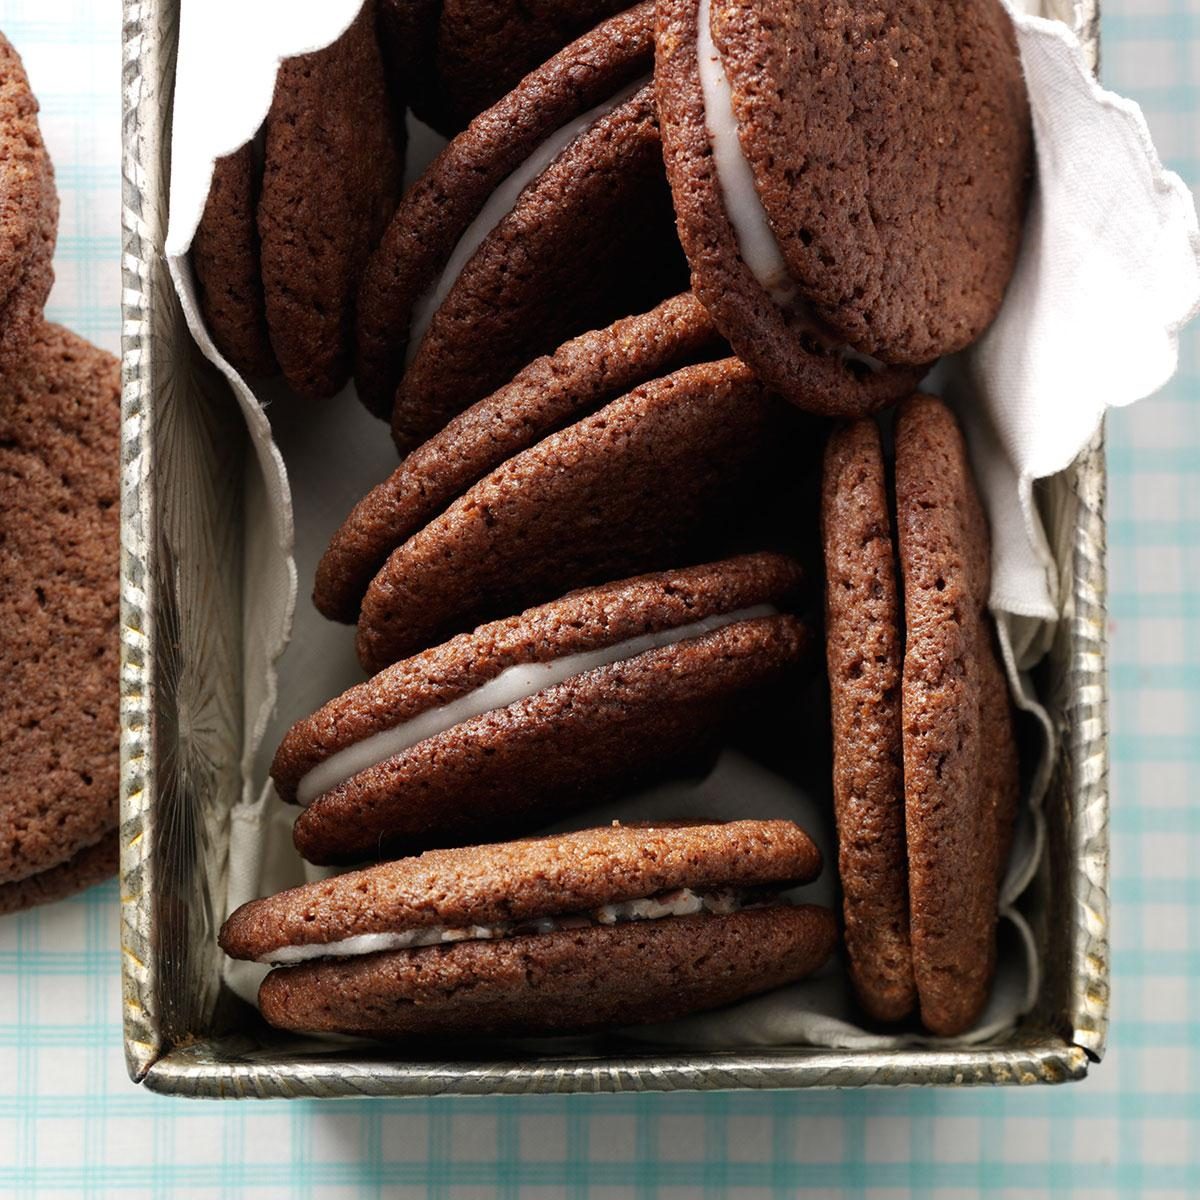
x,y
225,1071
143,279
1087,841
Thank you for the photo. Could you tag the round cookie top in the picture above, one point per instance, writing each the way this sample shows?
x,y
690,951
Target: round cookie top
x,y
961,775
332,174
437,210
890,146
864,651
524,880
568,981
59,513
580,376
650,478
28,212
585,620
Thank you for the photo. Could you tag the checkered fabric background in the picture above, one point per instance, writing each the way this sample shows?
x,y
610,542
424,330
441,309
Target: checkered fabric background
x,y
72,1125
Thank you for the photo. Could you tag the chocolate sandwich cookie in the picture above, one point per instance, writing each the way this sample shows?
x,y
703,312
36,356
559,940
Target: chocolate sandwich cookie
x,y
850,183
549,215
581,376
667,473
621,925
528,717
28,211
59,512
279,255
925,763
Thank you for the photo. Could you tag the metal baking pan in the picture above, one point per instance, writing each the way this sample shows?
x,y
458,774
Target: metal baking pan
x,y
181,706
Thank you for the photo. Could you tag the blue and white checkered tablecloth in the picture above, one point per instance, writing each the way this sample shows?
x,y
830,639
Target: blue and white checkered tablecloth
x,y
72,1125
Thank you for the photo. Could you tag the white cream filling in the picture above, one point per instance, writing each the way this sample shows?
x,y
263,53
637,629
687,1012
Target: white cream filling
x,y
682,902
498,205
752,230
510,686
751,227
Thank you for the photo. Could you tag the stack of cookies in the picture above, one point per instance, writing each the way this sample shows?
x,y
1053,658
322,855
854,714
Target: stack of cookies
x,y
668,249
59,540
